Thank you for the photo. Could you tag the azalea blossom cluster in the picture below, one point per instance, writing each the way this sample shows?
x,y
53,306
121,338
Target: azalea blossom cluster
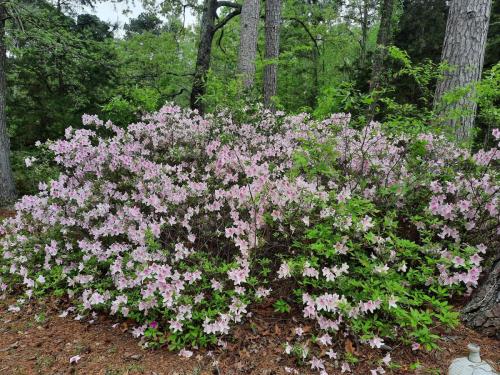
x,y
168,221
447,201
155,211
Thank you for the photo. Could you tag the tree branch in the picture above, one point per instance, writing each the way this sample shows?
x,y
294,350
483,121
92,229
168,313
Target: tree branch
x,y
175,94
228,4
226,19
308,32
179,74
220,41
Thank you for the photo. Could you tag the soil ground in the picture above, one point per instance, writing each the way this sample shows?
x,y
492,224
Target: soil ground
x,y
37,341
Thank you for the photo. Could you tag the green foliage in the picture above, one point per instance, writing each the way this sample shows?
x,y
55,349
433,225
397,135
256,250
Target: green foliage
x,y
42,170
125,111
488,96
420,30
145,22
154,68
281,306
389,262
223,93
58,69
343,98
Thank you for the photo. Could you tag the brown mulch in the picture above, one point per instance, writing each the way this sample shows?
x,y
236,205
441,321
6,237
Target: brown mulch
x,y
28,346
6,213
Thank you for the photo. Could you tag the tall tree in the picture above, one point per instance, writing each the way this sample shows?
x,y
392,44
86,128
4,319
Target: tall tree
x,y
145,22
59,68
272,30
208,28
463,50
362,14
7,187
365,25
384,38
249,29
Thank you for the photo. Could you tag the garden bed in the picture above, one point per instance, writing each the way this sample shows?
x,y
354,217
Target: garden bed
x,y
38,341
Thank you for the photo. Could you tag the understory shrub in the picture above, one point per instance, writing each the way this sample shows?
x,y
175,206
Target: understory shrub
x,y
181,222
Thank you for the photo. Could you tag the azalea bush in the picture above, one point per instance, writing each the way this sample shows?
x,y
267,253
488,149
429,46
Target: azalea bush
x,y
408,223
181,223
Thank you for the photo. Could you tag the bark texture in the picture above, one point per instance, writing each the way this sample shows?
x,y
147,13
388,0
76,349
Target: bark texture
x,y
272,28
207,30
7,188
364,30
463,49
483,310
384,38
249,28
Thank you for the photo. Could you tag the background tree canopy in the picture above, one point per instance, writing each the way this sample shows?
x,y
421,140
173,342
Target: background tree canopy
x,y
62,64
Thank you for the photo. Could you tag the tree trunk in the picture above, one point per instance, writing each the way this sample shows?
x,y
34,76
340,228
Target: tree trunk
x,y
315,57
7,188
272,26
463,50
249,28
384,38
483,310
207,29
364,31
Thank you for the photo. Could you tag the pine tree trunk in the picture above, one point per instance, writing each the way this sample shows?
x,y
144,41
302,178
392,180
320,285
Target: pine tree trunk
x,y
249,28
207,28
483,310
463,51
7,188
364,31
384,38
272,26
315,57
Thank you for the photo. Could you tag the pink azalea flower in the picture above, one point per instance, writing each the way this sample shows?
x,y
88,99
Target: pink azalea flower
x,y
476,259
376,342
345,367
366,223
175,326
317,364
481,248
496,133
387,359
299,331
284,271
392,302
458,261
185,353
331,354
